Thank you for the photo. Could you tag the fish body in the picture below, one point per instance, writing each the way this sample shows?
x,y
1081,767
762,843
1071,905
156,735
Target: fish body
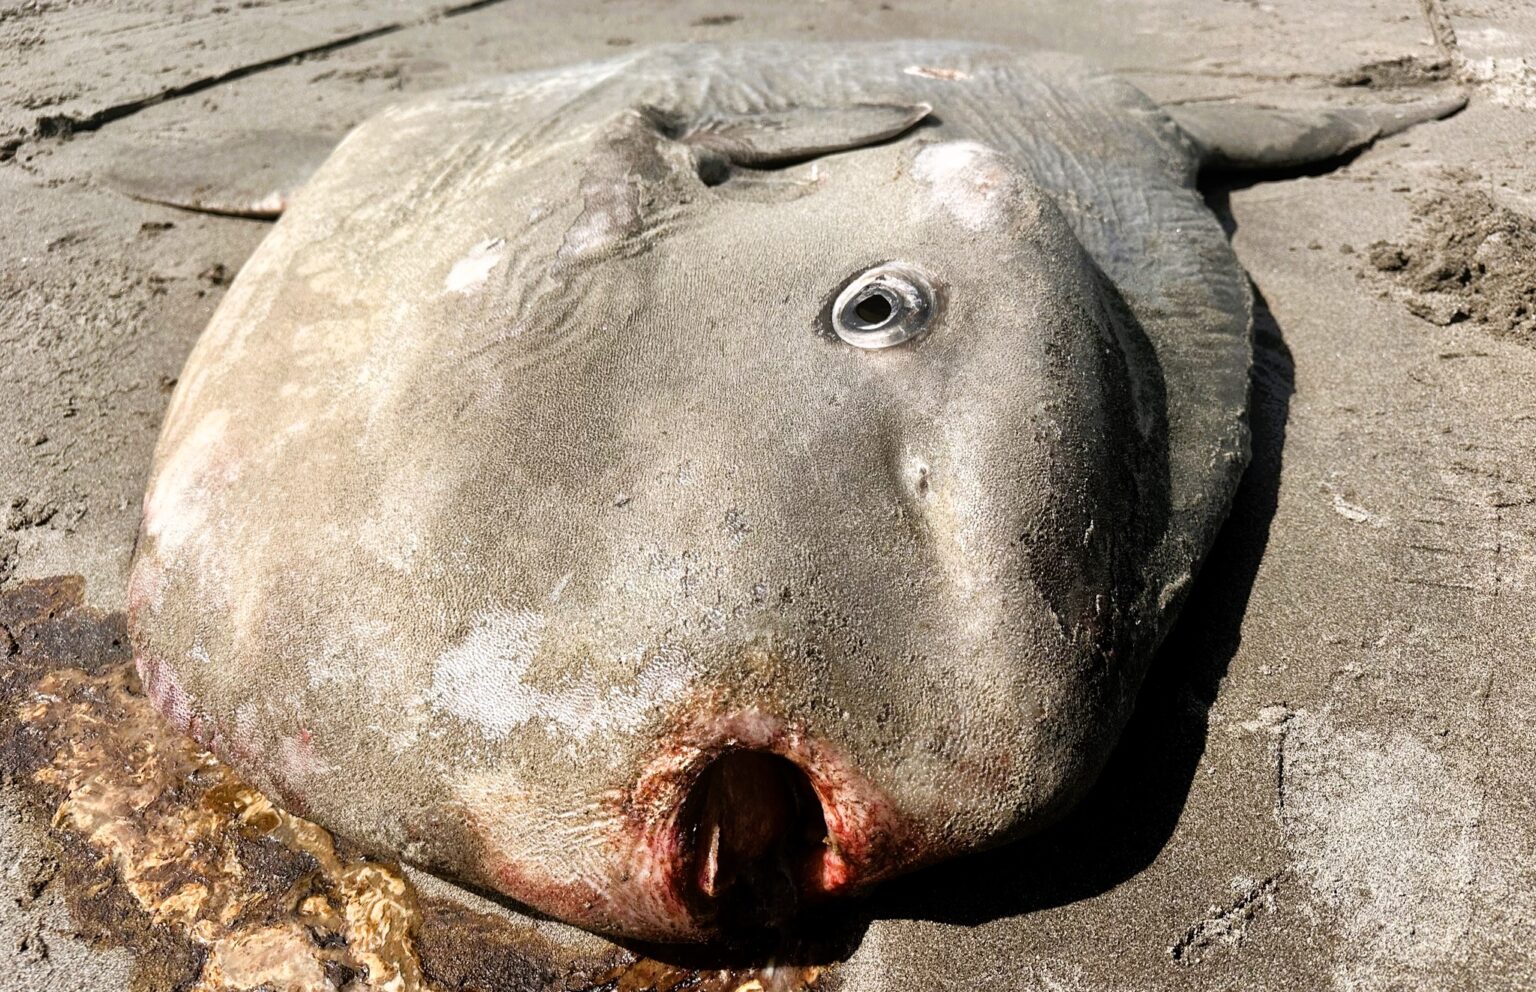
x,y
673,490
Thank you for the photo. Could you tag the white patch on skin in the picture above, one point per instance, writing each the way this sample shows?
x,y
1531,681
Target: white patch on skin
x,y
297,759
247,722
470,272
390,530
595,231
937,72
969,182
483,680
349,662
174,510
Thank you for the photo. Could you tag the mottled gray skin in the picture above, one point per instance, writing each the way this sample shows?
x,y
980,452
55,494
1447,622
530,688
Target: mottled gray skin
x,y
519,476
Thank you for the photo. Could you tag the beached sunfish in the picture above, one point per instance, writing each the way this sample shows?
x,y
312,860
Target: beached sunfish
x,y
677,490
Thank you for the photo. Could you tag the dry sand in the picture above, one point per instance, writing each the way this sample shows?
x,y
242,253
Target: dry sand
x,y
1328,781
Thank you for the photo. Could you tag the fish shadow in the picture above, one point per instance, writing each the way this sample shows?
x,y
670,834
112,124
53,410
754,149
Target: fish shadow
x,y
1127,818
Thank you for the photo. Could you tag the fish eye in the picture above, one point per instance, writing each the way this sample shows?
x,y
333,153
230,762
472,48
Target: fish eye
x,y
883,306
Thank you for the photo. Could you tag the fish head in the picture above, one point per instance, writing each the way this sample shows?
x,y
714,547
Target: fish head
x,y
854,488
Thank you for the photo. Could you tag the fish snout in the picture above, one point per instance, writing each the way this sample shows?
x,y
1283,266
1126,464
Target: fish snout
x,y
760,823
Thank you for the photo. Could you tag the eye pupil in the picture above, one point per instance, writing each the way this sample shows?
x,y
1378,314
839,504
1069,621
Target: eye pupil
x,y
883,306
874,309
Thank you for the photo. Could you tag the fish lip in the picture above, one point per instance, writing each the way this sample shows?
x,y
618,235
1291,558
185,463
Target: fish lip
x,y
859,817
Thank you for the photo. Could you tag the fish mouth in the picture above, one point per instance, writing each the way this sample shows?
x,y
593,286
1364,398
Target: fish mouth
x,y
755,840
754,821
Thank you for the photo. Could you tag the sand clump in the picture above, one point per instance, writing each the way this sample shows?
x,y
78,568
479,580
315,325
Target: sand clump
x,y
174,823
160,848
1396,73
1469,258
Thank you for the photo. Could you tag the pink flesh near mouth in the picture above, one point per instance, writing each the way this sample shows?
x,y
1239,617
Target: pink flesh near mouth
x,y
751,821
738,825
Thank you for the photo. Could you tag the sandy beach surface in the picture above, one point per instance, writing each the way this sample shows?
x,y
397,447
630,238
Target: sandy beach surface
x,y
1328,781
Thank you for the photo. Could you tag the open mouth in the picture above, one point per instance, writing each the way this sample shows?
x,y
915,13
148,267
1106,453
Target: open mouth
x,y
757,837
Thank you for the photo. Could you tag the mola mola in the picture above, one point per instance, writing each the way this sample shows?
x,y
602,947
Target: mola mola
x,y
674,490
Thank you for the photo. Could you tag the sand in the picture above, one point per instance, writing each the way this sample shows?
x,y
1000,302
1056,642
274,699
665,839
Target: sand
x,y
1327,783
